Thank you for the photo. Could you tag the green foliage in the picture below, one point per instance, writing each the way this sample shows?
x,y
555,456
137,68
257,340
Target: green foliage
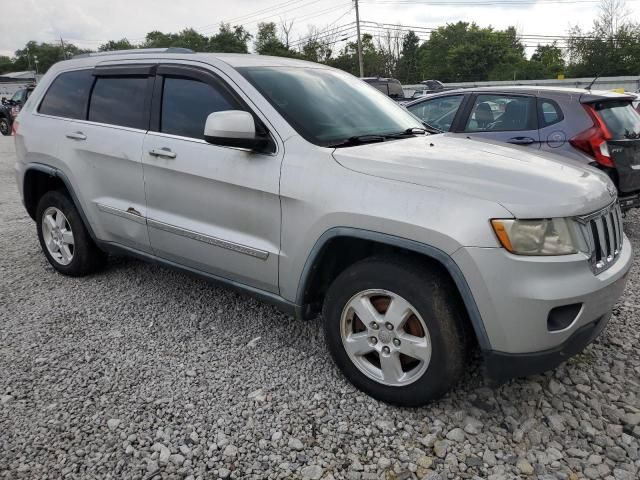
x,y
6,65
230,39
466,52
611,47
268,43
408,70
372,58
455,52
122,44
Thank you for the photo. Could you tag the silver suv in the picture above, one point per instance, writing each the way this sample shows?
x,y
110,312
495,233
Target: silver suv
x,y
308,188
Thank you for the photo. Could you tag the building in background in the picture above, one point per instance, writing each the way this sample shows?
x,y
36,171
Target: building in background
x,y
11,82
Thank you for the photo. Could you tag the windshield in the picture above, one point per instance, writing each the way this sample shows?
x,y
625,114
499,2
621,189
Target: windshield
x,y
620,118
327,107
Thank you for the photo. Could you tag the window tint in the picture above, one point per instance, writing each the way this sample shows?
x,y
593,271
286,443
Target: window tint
x,y
438,112
68,95
186,104
499,113
120,101
549,112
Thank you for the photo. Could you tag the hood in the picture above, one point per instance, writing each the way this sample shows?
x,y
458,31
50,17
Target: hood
x,y
529,185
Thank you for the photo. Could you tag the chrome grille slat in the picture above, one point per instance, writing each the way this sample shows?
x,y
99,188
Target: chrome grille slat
x,y
604,235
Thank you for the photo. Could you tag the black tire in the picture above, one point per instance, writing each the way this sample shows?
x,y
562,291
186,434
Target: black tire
x,y
5,126
87,257
434,297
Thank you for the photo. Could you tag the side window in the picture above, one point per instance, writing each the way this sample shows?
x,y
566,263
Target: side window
x,y
187,103
549,112
120,101
499,113
439,112
68,95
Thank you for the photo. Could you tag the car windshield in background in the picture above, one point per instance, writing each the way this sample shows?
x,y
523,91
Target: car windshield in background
x,y
327,107
620,118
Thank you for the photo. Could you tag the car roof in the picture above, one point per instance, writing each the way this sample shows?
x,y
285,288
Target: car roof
x,y
235,60
584,94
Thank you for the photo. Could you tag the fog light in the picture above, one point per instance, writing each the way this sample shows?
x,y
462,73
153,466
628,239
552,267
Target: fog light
x,y
561,317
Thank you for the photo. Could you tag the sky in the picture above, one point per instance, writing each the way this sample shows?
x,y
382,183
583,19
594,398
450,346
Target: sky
x,y
89,23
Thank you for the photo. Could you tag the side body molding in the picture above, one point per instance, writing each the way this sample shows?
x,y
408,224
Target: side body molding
x,y
57,173
422,248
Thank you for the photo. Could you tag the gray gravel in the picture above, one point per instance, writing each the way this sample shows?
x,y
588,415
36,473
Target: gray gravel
x,y
141,372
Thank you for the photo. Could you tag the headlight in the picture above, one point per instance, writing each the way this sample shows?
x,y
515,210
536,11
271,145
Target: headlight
x,y
550,236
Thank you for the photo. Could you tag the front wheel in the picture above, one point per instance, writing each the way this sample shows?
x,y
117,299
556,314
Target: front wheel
x,y
5,126
394,328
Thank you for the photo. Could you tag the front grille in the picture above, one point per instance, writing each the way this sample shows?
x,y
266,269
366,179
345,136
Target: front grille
x,y
603,232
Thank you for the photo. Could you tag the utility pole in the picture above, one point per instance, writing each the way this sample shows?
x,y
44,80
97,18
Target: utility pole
x,y
64,54
360,62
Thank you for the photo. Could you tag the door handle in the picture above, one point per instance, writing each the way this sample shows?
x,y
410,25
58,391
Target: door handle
x,y
521,140
162,152
76,136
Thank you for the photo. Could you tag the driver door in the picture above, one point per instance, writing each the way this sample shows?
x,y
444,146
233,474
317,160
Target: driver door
x,y
214,209
438,112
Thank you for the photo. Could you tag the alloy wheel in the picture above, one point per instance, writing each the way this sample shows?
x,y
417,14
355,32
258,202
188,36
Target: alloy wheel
x,y
385,337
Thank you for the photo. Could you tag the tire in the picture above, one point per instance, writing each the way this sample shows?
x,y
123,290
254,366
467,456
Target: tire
x,y
431,330
76,254
5,126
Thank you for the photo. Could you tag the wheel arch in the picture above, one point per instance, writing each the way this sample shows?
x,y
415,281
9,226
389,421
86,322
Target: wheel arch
x,y
39,179
313,273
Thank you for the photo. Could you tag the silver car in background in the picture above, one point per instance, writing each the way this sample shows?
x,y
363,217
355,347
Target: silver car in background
x,y
593,127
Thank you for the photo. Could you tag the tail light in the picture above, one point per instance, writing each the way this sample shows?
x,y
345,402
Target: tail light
x,y
14,127
593,141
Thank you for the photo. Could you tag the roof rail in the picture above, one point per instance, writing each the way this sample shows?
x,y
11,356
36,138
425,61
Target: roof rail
x,y
137,51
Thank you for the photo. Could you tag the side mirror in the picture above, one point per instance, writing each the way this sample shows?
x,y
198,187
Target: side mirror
x,y
233,128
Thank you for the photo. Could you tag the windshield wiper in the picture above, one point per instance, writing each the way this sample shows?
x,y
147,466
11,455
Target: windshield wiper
x,y
358,140
374,138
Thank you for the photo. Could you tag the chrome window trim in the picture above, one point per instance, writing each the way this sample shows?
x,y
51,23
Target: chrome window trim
x,y
89,122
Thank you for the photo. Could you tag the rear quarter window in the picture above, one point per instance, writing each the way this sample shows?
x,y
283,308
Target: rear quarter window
x,y
549,113
68,95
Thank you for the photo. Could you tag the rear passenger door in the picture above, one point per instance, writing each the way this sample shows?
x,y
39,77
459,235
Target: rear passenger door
x,y
102,146
211,208
509,118
553,134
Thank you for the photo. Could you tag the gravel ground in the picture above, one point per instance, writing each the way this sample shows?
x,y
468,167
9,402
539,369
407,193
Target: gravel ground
x,y
141,372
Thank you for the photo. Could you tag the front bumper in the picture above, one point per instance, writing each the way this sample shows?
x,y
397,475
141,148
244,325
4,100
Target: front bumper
x,y
500,367
515,295
629,201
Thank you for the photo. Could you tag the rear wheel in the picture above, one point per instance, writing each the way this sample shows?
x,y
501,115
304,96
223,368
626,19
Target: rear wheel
x,y
5,127
64,238
395,330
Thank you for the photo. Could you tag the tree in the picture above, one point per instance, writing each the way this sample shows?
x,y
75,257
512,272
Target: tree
x,y
611,47
407,71
6,65
46,55
548,60
268,43
230,39
466,52
187,38
374,62
122,44
317,47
